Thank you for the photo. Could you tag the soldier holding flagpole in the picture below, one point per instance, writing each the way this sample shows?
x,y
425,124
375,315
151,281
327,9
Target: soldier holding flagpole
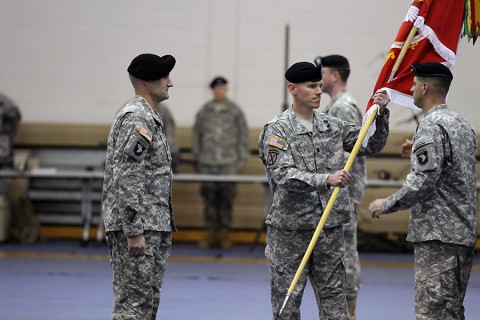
x,y
302,151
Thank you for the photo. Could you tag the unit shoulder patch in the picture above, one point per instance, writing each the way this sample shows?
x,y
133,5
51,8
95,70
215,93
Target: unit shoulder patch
x,y
423,152
138,149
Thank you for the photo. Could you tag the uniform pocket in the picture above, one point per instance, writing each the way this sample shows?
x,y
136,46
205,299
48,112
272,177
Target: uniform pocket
x,y
436,269
435,288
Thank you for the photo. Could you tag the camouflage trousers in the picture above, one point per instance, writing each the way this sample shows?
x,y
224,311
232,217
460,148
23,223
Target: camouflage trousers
x,y
218,198
352,261
442,271
137,281
325,270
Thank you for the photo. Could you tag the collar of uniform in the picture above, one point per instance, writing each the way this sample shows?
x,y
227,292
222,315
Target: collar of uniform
x,y
439,107
149,110
298,128
224,105
319,122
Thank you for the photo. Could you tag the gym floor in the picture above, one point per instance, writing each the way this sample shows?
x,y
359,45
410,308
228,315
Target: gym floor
x,y
60,280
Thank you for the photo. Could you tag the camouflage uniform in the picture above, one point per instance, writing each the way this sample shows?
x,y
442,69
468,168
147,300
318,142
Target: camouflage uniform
x,y
441,192
9,124
344,107
220,143
297,165
137,200
169,130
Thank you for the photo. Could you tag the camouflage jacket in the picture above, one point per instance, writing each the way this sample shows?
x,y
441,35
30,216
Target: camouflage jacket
x,y
344,107
220,137
138,176
169,127
298,162
9,124
441,187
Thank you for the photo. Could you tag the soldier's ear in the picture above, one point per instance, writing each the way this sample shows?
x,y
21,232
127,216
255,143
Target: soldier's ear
x,y
292,88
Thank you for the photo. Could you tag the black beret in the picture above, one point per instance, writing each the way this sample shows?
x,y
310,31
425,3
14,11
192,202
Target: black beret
x,y
148,66
217,81
303,72
431,69
335,61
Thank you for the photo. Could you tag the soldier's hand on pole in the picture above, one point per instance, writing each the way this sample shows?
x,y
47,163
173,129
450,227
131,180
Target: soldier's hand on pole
x,y
339,179
381,99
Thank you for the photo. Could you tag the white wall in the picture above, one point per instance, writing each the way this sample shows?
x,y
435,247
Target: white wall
x,y
65,60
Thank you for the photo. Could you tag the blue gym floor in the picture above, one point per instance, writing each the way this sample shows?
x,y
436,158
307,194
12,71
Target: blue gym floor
x,y
59,280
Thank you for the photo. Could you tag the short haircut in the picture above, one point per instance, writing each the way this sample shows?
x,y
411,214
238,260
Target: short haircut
x,y
344,72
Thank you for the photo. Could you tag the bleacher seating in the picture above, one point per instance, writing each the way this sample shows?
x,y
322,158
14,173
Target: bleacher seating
x,y
83,147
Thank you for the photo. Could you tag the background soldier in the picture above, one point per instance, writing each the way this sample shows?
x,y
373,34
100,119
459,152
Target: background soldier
x,y
303,151
441,192
9,124
137,194
220,147
336,70
170,133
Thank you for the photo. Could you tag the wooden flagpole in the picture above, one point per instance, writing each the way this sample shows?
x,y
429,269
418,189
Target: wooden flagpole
x,y
402,53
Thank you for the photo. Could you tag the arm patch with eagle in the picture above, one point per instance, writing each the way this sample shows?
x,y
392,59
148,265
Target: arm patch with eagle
x,y
423,152
139,146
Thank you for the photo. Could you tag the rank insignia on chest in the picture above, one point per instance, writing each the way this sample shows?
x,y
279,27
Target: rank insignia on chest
x,y
277,143
147,134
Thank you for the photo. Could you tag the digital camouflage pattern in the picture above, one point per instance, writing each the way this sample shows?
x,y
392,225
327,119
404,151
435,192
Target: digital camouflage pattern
x,y
137,281
137,200
297,164
218,198
442,271
441,192
220,144
169,130
441,187
138,176
344,107
9,124
220,135
325,269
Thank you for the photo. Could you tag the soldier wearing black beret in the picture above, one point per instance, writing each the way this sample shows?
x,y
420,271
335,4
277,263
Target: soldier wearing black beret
x,y
218,81
219,147
149,67
302,150
342,104
441,192
137,191
302,72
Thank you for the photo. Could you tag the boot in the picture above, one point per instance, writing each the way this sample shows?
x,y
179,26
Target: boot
x,y
225,239
209,240
351,308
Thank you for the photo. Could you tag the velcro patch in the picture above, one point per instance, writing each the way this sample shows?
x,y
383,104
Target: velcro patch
x,y
146,133
139,149
277,143
272,156
423,151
